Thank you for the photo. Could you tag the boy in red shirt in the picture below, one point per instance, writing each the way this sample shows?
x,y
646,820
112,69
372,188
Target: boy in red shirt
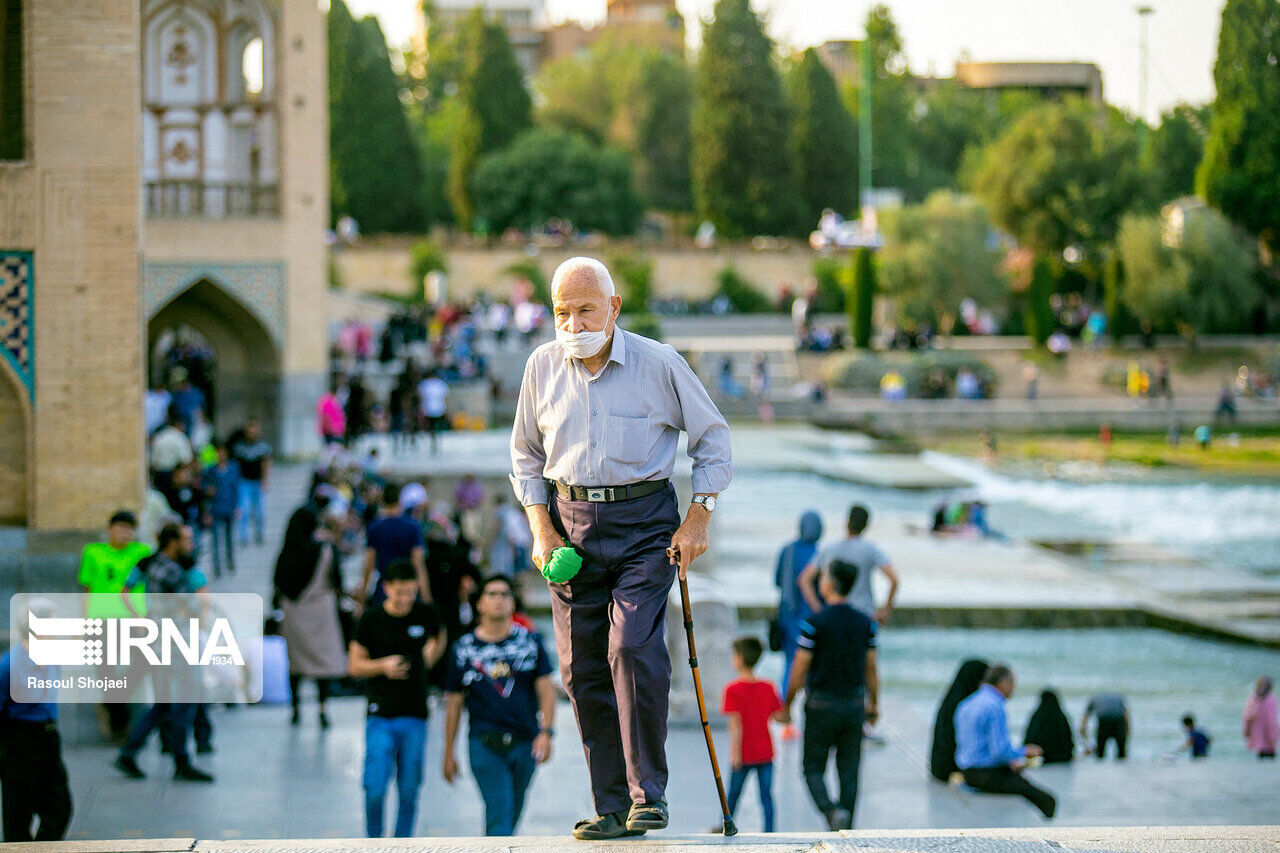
x,y
749,703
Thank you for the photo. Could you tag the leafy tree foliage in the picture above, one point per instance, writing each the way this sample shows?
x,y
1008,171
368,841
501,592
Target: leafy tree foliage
x,y
1240,173
1062,175
550,173
1177,146
374,166
742,180
823,140
495,105
862,296
1199,281
939,253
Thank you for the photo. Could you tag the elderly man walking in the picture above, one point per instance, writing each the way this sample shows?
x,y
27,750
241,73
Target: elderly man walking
x,y
593,446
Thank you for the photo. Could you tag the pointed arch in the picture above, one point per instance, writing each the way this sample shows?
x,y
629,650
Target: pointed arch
x,y
243,379
15,448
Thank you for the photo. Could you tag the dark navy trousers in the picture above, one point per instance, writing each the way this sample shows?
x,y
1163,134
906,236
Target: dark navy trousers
x,y
610,626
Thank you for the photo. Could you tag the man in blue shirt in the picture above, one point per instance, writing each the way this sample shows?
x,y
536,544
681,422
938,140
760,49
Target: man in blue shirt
x,y
222,486
984,753
394,536
32,776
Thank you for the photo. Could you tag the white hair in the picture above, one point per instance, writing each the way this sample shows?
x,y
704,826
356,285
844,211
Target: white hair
x,y
576,266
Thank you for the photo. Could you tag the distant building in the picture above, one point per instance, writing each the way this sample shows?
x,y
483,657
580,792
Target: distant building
x,y
525,22
1051,79
652,23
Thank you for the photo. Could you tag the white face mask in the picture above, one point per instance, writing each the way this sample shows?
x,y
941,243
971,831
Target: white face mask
x,y
582,344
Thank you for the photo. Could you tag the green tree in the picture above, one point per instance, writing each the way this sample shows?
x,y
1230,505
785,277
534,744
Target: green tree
x,y
661,114
1177,146
636,274
530,270
741,294
1119,321
829,274
743,181
496,105
1201,280
1240,173
1062,175
638,99
823,140
1039,319
550,173
425,257
862,297
374,166
936,255
492,84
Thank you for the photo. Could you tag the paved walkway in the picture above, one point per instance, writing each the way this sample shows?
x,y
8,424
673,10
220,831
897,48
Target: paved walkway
x,y
278,781
1191,839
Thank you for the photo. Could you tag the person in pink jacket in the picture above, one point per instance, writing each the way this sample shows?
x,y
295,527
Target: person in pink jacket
x,y
1261,723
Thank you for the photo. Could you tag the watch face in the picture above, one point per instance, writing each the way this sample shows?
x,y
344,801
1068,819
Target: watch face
x,y
708,503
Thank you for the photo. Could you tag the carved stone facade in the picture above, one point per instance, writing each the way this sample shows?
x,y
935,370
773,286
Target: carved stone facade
x,y
231,100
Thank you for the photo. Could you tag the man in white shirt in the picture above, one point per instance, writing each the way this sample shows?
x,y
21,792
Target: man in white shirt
x,y
433,393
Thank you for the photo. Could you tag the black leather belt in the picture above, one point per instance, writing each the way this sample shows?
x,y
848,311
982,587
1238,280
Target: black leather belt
x,y
608,494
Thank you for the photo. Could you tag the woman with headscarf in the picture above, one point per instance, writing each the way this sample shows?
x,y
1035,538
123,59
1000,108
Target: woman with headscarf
x,y
1261,726
792,607
942,758
307,583
1050,730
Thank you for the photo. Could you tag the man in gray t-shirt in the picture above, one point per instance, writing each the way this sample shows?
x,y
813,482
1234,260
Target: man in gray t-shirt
x,y
866,557
1113,723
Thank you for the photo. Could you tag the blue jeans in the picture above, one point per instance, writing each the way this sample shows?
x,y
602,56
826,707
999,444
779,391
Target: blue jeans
x,y
223,546
399,744
502,776
173,720
251,508
764,779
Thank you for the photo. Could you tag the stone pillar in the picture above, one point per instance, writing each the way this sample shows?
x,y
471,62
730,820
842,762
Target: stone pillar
x,y
301,93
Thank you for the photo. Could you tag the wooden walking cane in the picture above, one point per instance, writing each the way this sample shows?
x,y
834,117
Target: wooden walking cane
x,y
729,828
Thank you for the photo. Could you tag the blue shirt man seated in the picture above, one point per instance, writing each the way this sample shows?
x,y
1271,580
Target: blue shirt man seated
x,y
985,755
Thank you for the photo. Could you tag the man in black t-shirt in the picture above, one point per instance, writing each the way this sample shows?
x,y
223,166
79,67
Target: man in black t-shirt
x,y
253,455
836,662
395,644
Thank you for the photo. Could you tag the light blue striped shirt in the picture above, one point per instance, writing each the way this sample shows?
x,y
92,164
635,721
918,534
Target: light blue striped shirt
x,y
982,731
619,426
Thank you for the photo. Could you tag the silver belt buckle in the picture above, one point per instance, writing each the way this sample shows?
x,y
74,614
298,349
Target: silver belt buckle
x,y
595,495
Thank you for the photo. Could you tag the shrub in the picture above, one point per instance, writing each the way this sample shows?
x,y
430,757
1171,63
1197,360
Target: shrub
x,y
862,372
744,298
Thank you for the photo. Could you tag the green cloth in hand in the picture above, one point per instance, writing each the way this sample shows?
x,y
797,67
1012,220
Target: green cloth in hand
x,y
564,564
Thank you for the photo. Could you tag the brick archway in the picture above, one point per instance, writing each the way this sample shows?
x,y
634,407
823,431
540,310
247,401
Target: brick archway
x,y
15,455
246,369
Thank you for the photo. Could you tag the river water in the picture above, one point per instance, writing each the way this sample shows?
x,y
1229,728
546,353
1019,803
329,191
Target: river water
x,y
1204,535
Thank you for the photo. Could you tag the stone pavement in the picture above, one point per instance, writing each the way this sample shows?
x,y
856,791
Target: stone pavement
x,y
1189,839
278,781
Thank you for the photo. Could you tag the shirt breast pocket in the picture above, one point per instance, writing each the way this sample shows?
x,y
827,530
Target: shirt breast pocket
x,y
629,440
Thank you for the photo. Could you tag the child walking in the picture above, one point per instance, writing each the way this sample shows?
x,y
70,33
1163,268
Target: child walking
x,y
749,703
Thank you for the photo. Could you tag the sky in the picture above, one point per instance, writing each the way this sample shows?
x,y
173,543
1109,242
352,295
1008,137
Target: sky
x,y
1183,35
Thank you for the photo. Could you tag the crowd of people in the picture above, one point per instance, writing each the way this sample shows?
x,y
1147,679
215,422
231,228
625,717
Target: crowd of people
x,y
827,625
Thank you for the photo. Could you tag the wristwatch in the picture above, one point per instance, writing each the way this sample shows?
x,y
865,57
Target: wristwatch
x,y
547,731
708,502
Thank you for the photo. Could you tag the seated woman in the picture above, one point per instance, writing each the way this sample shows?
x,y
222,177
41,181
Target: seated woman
x,y
1050,729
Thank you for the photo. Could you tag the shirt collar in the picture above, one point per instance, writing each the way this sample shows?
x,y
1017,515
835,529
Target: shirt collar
x,y
990,690
618,351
